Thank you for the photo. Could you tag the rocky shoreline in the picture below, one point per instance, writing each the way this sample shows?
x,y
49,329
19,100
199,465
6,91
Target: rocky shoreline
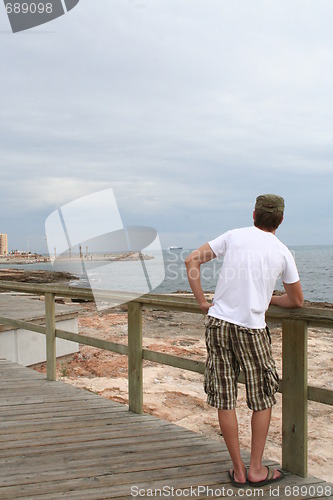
x,y
38,276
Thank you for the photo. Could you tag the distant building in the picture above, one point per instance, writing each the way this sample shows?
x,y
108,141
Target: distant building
x,y
3,244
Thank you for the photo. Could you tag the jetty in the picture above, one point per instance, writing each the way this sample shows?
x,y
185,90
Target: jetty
x,y
58,441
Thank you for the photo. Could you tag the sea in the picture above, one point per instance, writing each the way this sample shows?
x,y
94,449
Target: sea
x,y
167,273
314,264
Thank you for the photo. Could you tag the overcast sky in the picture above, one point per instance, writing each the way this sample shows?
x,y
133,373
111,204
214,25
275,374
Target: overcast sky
x,y
188,109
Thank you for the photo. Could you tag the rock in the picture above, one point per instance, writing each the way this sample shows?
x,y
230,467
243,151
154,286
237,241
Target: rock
x,y
40,276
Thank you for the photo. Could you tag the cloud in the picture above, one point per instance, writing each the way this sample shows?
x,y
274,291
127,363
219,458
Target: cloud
x,y
187,110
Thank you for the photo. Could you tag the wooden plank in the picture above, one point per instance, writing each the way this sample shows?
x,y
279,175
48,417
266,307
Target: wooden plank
x,y
312,315
55,414
120,458
93,342
109,479
294,397
24,325
159,460
20,431
140,435
53,407
75,420
50,336
101,488
31,477
44,397
175,361
137,442
80,434
135,366
320,395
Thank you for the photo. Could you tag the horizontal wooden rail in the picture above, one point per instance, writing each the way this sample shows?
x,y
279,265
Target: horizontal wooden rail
x,y
174,361
312,315
23,325
107,345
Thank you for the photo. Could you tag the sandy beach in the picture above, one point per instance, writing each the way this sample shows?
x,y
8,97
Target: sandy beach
x,y
177,395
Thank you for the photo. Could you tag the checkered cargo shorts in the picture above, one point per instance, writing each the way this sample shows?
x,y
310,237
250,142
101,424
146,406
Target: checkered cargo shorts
x,y
229,348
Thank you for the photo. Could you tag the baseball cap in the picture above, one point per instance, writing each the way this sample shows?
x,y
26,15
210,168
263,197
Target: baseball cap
x,y
269,203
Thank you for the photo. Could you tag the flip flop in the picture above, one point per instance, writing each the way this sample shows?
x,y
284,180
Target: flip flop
x,y
269,478
236,483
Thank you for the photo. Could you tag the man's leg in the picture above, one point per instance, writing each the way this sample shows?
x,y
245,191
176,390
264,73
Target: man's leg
x,y
229,428
260,425
262,383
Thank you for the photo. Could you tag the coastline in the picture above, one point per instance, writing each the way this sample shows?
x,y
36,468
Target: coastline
x,y
65,258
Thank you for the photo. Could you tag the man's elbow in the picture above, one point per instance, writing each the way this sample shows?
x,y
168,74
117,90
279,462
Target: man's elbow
x,y
188,260
295,294
192,260
299,301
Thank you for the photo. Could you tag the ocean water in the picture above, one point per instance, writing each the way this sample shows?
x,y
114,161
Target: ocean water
x,y
315,266
314,263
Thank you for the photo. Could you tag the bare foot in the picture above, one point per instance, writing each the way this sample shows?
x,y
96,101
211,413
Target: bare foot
x,y
238,476
262,474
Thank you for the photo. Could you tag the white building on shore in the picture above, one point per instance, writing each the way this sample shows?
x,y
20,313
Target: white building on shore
x,y
3,244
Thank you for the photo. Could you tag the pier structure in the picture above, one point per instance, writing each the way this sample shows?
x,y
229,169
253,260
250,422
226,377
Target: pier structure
x,y
47,452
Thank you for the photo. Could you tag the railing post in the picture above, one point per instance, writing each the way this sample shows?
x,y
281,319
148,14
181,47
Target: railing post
x,y
50,336
135,369
295,396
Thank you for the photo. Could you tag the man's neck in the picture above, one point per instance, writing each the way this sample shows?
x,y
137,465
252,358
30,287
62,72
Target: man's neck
x,y
266,230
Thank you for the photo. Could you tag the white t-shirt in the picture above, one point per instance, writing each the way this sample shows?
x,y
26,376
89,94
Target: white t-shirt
x,y
253,261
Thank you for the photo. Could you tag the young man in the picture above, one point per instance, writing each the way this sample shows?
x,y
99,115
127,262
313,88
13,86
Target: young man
x,y
236,332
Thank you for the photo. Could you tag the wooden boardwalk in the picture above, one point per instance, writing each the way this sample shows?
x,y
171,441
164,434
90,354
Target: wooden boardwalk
x,y
57,441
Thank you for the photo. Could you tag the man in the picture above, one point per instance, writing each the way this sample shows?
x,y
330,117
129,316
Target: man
x,y
236,332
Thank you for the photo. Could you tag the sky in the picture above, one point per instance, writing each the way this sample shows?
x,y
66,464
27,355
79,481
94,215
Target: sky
x,y
187,109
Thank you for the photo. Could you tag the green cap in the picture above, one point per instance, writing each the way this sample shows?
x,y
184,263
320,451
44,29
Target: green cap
x,y
269,203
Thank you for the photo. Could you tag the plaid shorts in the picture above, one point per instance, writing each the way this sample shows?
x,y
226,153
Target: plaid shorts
x,y
229,348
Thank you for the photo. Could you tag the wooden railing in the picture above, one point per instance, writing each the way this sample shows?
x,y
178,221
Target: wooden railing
x,y
295,322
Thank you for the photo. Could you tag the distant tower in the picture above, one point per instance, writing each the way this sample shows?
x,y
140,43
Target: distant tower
x,y
3,244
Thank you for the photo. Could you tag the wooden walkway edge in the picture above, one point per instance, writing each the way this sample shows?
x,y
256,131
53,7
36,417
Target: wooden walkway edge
x,y
57,441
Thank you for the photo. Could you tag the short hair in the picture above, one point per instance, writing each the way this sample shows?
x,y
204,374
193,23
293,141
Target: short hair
x,y
266,220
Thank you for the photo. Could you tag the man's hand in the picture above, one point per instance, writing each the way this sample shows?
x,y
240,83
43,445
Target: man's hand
x,y
205,306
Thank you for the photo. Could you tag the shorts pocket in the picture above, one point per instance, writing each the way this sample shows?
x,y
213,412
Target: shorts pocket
x,y
209,378
271,381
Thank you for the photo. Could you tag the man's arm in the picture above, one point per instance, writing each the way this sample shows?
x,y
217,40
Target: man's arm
x,y
292,298
193,263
